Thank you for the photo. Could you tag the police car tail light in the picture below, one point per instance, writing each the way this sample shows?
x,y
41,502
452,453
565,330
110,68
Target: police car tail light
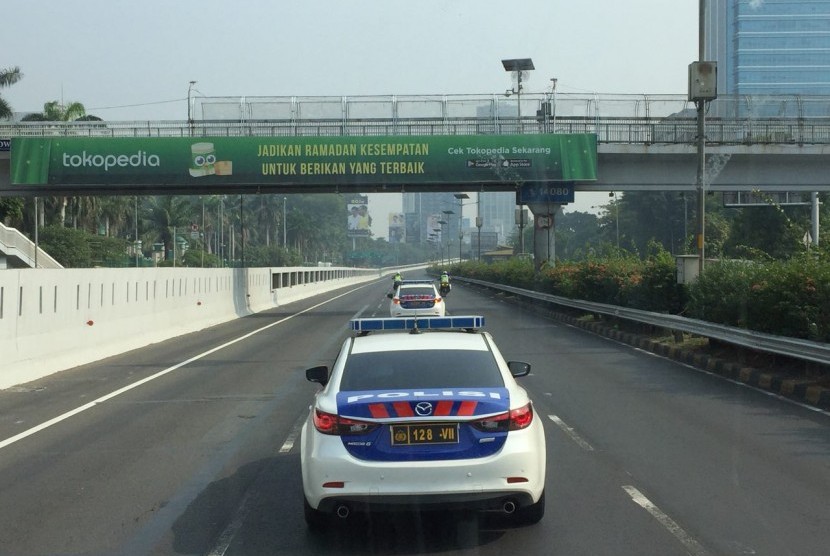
x,y
329,423
521,418
513,420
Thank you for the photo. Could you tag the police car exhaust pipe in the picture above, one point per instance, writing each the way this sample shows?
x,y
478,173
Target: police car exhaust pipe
x,y
342,511
509,506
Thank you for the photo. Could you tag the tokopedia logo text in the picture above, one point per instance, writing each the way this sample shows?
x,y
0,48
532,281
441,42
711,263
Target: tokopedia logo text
x,y
107,161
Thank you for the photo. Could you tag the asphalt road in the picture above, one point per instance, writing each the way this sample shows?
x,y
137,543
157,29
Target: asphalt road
x,y
191,447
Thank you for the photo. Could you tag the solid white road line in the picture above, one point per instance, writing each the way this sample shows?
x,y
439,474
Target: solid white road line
x,y
63,417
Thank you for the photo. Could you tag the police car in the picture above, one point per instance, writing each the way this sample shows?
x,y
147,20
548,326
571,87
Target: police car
x,y
425,414
416,298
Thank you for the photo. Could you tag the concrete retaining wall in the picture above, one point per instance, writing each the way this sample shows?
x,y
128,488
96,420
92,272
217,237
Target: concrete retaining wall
x,y
52,320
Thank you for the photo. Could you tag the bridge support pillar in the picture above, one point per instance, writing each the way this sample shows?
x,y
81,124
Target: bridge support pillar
x,y
544,229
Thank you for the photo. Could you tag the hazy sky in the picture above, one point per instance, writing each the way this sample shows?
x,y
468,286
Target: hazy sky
x,y
128,60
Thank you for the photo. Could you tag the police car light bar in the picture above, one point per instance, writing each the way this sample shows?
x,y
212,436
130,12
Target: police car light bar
x,y
420,323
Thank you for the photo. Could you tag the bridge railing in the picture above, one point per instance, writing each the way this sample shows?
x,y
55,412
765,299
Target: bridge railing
x,y
629,130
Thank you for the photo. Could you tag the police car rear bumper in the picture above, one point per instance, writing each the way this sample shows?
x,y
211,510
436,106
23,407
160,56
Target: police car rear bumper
x,y
480,483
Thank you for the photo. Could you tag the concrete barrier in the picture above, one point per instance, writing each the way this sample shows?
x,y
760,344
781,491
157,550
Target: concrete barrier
x,y
52,320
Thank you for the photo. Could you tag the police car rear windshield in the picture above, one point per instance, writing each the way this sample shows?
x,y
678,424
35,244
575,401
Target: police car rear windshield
x,y
426,291
421,369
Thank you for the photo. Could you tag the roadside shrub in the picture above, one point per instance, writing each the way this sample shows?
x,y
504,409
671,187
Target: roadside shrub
x,y
68,246
787,298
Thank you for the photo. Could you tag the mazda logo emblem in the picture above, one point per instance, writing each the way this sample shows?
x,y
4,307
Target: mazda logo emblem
x,y
423,408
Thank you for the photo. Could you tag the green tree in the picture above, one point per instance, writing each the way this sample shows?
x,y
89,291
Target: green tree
x,y
771,231
8,77
67,246
11,211
162,214
56,111
577,235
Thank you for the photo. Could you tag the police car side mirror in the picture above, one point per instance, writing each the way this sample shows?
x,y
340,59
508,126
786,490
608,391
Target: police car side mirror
x,y
318,374
518,368
390,295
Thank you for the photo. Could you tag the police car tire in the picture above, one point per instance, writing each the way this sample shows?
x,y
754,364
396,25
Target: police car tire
x,y
315,519
533,513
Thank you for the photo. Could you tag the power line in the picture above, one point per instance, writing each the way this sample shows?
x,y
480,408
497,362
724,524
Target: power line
x,y
141,104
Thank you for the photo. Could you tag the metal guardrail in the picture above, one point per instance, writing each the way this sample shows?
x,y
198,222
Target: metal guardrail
x,y
806,350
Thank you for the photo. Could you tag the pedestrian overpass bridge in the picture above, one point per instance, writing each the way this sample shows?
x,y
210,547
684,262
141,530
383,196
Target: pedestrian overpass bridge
x,y
643,141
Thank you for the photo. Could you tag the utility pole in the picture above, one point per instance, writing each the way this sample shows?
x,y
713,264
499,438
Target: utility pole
x,y
703,87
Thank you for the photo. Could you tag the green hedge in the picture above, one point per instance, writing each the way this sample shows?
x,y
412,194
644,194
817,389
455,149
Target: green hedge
x,y
787,298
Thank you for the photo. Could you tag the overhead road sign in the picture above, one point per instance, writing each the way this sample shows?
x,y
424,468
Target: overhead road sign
x,y
545,192
297,164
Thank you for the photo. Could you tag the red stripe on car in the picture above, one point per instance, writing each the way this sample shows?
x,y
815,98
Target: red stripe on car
x,y
403,409
467,408
378,410
443,408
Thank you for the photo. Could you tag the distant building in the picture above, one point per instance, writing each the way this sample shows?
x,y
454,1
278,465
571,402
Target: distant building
x,y
497,210
770,47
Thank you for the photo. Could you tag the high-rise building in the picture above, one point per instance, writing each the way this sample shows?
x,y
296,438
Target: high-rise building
x,y
498,213
423,213
769,47
497,210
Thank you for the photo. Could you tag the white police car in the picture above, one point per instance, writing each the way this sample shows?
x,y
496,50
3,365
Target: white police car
x,y
416,298
428,417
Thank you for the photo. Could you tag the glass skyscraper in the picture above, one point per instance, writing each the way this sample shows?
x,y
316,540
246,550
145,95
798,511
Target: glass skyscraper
x,y
770,47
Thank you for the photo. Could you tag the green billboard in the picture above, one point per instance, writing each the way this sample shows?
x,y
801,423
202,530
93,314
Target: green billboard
x,y
299,163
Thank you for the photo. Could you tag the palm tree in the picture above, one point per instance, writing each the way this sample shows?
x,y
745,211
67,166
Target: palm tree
x,y
163,213
8,76
55,111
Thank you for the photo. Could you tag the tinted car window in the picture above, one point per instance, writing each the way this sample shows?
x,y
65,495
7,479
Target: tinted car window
x,y
421,369
421,290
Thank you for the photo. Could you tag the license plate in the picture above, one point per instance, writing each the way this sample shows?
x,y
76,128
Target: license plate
x,y
433,433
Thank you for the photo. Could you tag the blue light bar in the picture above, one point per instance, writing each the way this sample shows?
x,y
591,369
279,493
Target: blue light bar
x,y
421,323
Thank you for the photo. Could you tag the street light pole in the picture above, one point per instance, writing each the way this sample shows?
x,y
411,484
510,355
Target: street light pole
x,y
441,242
479,224
460,197
447,214
136,243
284,234
190,106
616,217
518,65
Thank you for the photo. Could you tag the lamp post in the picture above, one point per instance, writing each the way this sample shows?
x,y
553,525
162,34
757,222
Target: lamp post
x,y
447,214
479,224
518,65
136,241
190,106
460,197
616,216
521,221
441,240
284,234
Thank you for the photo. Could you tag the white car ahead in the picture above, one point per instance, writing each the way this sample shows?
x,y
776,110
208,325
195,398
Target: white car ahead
x,y
426,416
416,298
